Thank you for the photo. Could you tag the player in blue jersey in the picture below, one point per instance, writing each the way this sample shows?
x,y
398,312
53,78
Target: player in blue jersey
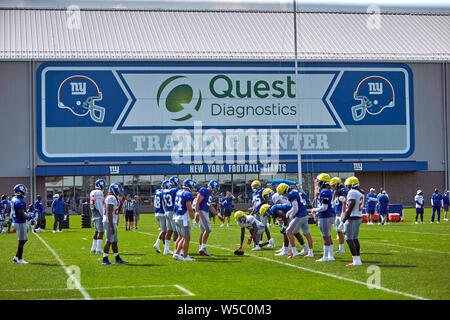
x,y
169,210
298,220
19,219
436,202
325,215
227,201
339,199
160,214
5,223
221,208
184,211
202,208
39,207
257,198
267,199
371,203
383,204
446,202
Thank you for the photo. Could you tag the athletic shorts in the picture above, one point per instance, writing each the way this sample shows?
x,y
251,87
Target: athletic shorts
x,y
370,210
337,221
21,230
98,225
383,211
299,223
136,215
183,226
129,216
352,228
325,226
211,215
162,223
226,212
419,210
205,225
170,222
445,207
111,238
259,233
41,217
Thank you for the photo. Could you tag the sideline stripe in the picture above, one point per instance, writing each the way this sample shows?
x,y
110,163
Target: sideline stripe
x,y
317,272
184,290
76,282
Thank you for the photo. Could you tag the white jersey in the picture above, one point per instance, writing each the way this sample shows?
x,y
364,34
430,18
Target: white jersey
x,y
419,199
110,199
277,197
356,195
96,203
249,222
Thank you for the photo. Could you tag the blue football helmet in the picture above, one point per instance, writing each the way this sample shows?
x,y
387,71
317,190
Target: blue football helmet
x,y
79,94
166,184
100,184
375,93
116,189
189,184
214,185
20,189
174,181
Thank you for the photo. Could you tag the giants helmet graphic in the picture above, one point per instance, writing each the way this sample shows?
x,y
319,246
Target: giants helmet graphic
x,y
79,94
374,93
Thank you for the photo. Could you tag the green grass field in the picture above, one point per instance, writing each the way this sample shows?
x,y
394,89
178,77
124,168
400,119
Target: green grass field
x,y
413,261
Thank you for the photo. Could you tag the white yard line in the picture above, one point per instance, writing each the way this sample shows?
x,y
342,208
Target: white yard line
x,y
68,272
315,271
184,290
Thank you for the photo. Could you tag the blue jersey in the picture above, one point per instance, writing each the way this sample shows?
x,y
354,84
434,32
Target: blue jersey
x,y
294,195
169,199
181,199
206,201
372,200
257,200
58,206
221,200
228,203
159,201
338,204
4,206
18,203
446,200
436,198
327,195
38,207
283,207
384,201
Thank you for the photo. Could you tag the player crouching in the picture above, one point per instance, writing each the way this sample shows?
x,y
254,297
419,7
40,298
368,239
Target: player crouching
x,y
351,220
255,227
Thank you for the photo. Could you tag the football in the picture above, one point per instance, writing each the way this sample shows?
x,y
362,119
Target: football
x,y
239,252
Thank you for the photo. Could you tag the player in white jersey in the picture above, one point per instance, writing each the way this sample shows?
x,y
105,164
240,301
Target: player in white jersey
x,y
96,205
255,227
418,199
112,206
352,218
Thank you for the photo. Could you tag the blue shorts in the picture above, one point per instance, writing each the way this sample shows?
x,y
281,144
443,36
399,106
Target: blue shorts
x,y
419,210
370,210
383,211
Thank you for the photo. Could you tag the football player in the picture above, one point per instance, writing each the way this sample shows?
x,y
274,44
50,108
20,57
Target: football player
x,y
169,209
160,214
111,208
370,205
31,223
39,208
352,218
257,198
339,206
19,219
255,228
325,215
96,197
4,210
184,211
436,203
418,199
383,203
202,208
298,219
279,212
267,199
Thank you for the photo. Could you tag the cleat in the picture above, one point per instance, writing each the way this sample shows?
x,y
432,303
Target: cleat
x,y
99,252
118,261
166,252
93,251
15,259
188,258
156,247
256,248
228,224
21,261
222,225
279,250
330,258
291,255
309,255
323,259
340,251
303,252
203,253
416,222
178,257
282,253
107,263
349,264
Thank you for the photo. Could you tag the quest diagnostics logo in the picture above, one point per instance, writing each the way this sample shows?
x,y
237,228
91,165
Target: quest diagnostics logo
x,y
177,97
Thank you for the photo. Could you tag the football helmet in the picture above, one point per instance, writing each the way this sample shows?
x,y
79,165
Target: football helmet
x,y
116,189
256,185
323,179
374,93
174,181
281,188
214,185
351,182
166,184
267,194
100,184
20,189
335,181
189,184
79,94
263,209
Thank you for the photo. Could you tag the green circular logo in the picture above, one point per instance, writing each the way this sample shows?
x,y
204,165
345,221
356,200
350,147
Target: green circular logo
x,y
179,98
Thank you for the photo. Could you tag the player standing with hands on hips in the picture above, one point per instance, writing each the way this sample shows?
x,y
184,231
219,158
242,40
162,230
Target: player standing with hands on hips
x,y
352,218
19,218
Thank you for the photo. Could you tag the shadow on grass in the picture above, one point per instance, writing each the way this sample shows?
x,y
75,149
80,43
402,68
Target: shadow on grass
x,y
395,266
132,254
141,265
377,253
45,264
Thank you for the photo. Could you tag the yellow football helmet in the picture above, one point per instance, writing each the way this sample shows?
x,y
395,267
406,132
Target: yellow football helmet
x,y
323,179
256,185
281,188
351,182
335,180
239,214
266,193
263,209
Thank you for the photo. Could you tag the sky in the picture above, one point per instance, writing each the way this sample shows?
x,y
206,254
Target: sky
x,y
305,5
